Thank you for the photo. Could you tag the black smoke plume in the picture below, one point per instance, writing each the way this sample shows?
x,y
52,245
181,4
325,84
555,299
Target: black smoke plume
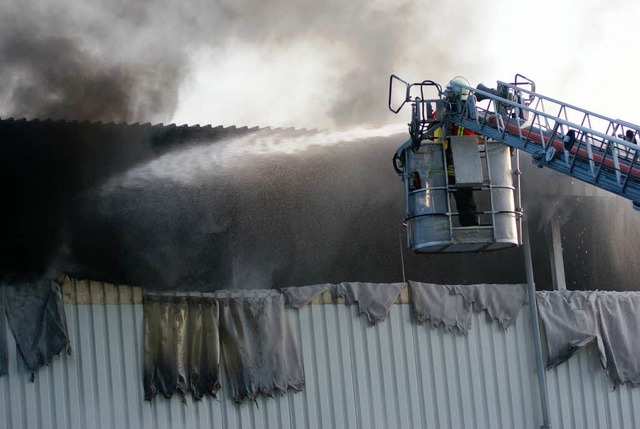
x,y
122,61
329,213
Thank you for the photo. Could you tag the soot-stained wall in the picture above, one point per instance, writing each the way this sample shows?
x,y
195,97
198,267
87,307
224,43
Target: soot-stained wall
x,y
208,208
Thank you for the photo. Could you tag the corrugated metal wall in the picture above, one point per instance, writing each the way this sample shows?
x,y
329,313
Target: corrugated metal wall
x,y
582,396
396,374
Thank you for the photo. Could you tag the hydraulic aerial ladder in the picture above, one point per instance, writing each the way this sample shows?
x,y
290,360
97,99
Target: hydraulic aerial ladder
x,y
576,142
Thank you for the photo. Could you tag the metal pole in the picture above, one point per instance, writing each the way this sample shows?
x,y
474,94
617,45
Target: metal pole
x,y
535,330
557,261
404,277
518,174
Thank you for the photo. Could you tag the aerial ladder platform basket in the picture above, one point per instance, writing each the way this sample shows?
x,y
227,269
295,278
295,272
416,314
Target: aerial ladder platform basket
x,y
465,141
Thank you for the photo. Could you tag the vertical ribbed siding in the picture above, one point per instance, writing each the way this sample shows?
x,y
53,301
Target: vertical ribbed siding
x,y
582,396
396,374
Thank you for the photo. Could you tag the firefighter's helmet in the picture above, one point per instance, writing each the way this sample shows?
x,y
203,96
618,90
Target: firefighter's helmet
x,y
464,93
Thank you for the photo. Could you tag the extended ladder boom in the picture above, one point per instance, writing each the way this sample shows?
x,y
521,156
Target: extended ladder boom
x,y
573,141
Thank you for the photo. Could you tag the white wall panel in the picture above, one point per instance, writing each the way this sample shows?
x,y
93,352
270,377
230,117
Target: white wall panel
x,y
582,396
396,374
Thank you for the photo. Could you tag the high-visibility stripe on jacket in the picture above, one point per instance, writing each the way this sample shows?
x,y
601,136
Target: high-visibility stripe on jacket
x,y
462,131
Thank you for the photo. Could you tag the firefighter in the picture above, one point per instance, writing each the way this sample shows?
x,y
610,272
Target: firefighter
x,y
629,136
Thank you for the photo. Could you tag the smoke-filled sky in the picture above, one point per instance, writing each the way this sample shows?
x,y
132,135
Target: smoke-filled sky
x,y
313,64
279,63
